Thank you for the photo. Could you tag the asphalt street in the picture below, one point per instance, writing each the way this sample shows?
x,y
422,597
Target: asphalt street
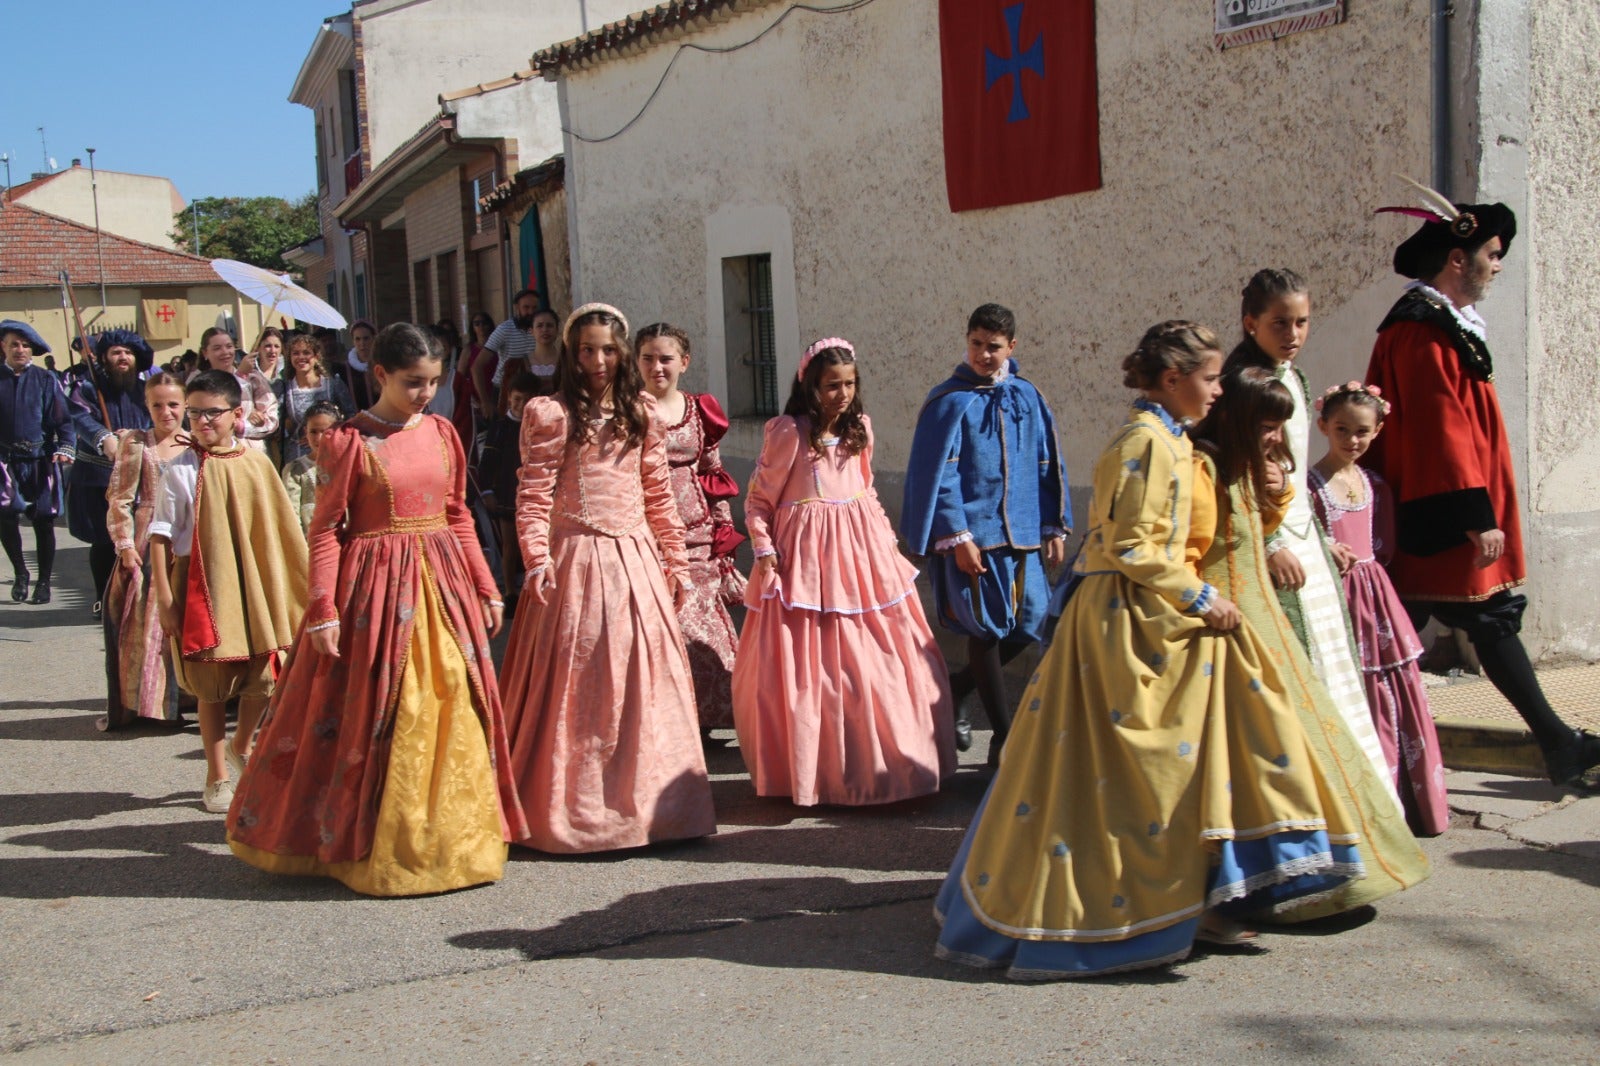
x,y
128,934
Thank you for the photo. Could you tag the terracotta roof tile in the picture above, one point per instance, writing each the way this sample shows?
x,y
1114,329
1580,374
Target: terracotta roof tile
x,y
660,23
35,247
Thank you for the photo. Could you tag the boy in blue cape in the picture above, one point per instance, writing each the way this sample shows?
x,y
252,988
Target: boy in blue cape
x,y
986,497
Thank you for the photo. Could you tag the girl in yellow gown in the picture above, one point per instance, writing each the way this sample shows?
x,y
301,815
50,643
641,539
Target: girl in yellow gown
x,y
1155,769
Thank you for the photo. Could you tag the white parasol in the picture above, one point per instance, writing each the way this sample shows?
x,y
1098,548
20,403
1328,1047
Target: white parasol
x,y
278,292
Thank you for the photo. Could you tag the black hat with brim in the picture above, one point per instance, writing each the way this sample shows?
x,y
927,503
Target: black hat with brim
x,y
1471,229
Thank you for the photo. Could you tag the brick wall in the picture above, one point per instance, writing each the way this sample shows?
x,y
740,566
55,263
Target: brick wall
x,y
438,220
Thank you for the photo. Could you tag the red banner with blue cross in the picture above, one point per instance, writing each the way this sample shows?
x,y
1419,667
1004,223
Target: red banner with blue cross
x,y
1021,108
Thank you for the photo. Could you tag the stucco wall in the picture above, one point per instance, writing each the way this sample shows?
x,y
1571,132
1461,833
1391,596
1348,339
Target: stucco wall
x,y
131,205
1214,164
413,51
1560,490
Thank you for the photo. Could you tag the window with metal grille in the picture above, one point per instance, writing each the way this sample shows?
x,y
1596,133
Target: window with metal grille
x,y
752,347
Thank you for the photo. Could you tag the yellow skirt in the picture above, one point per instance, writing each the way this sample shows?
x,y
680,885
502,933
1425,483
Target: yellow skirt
x,y
438,824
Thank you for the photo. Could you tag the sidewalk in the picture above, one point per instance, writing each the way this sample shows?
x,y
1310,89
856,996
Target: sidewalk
x,y
1479,730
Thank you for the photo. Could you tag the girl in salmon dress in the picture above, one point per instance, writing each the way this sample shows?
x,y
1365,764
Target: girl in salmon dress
x,y
840,693
605,745
382,761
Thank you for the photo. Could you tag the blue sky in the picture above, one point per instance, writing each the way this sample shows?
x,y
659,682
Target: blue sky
x,y
192,90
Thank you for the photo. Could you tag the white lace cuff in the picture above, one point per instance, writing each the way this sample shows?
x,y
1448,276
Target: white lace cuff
x,y
944,544
320,626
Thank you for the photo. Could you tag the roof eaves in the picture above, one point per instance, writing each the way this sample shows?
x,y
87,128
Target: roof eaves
x,y
487,87
657,25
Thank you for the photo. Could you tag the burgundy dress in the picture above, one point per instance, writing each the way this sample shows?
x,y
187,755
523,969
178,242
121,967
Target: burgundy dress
x,y
1388,648
702,489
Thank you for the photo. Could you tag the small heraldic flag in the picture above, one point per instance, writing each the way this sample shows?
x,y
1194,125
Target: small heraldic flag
x,y
164,317
1021,115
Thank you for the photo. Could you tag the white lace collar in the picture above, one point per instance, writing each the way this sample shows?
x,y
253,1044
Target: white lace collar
x,y
1467,316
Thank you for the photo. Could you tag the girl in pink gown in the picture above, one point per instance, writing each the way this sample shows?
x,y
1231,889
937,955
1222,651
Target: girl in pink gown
x,y
840,694
1358,512
600,702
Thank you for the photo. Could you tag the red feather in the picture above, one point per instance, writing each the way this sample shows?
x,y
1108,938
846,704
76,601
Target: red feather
x,y
1414,212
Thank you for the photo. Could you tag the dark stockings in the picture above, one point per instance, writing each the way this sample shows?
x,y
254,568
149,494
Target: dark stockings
x,y
44,535
102,561
1492,626
1505,661
11,540
985,673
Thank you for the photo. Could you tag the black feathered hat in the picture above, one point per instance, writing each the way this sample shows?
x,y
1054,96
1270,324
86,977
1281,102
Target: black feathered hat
x,y
143,355
1447,226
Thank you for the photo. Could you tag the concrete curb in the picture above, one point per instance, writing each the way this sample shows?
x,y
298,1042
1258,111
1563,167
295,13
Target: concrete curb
x,y
1489,747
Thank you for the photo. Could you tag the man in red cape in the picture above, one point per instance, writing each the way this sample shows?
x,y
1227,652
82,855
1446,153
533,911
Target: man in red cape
x,y
1445,454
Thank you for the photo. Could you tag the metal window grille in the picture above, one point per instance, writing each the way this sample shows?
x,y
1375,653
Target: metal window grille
x,y
763,336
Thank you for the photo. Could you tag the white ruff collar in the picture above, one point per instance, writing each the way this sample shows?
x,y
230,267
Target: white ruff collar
x,y
1467,316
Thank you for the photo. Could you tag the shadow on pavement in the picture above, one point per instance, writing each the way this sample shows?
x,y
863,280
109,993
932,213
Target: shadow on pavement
x,y
1531,859
45,808
81,727
827,923
172,860
662,923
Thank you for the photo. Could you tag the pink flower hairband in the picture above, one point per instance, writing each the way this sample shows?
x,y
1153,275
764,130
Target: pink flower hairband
x,y
1352,386
823,345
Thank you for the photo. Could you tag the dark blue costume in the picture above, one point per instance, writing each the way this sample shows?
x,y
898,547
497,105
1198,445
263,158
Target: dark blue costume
x,y
91,470
985,466
34,430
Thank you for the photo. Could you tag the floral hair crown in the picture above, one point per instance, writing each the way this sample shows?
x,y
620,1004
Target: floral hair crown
x,y
823,345
1350,388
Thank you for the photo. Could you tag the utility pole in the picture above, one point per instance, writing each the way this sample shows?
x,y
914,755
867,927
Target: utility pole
x,y
44,150
99,253
194,211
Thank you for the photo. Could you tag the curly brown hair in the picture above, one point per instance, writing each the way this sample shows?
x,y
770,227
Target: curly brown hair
x,y
627,384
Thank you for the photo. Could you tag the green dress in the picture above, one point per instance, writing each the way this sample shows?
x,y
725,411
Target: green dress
x,y
1236,564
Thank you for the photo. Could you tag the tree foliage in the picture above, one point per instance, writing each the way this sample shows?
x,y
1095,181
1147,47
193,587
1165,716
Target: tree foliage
x,y
251,229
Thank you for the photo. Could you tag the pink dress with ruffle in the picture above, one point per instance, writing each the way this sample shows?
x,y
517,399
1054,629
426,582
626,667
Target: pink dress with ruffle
x,y
840,693
605,745
1388,648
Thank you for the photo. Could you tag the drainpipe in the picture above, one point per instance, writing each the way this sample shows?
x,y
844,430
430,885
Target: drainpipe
x,y
1443,132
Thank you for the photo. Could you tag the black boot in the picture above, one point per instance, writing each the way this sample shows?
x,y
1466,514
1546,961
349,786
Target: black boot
x,y
19,587
963,728
41,591
1567,763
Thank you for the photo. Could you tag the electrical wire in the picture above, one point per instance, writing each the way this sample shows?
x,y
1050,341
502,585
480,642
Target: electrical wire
x,y
842,9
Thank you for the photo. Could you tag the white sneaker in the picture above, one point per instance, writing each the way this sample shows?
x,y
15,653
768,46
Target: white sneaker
x,y
219,796
234,760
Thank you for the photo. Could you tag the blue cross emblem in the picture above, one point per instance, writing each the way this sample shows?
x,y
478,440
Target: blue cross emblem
x,y
996,67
